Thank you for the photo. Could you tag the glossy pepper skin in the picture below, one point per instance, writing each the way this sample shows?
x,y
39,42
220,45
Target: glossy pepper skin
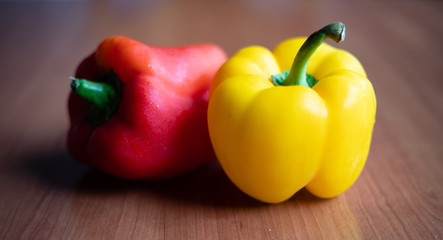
x,y
274,139
158,128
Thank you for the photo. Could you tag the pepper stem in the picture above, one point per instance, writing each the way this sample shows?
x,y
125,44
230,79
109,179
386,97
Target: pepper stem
x,y
102,94
97,93
297,75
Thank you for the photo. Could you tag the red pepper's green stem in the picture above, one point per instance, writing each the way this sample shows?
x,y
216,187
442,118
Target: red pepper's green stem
x,y
297,74
103,96
97,93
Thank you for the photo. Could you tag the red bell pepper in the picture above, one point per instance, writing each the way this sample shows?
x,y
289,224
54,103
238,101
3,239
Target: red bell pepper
x,y
142,112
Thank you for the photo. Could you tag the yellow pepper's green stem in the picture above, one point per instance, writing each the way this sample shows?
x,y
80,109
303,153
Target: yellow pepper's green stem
x,y
103,95
297,75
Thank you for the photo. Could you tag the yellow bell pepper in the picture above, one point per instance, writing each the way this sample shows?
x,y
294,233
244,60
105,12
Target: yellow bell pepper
x,y
276,131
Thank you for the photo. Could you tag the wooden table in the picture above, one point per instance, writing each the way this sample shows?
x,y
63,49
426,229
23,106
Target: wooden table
x,y
45,194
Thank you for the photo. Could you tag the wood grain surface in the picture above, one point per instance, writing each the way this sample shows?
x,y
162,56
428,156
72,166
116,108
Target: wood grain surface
x,y
45,194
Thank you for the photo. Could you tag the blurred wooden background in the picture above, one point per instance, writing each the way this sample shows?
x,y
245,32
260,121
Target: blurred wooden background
x,y
44,194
